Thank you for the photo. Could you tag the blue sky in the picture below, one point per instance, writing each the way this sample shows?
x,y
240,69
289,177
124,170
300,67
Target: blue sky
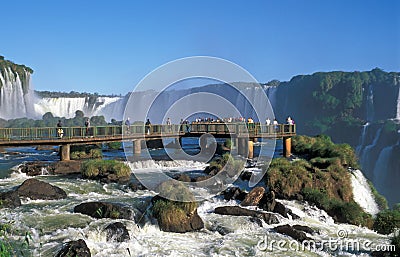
x,y
109,46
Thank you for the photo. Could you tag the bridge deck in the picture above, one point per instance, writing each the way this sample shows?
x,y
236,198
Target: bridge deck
x,y
98,134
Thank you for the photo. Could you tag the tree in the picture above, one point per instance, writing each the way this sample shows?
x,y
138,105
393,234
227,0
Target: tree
x,y
47,116
79,114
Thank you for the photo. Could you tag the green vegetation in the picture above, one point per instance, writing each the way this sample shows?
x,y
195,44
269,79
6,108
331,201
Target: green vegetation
x,y
48,120
227,164
380,199
21,71
169,211
114,145
388,221
10,247
102,168
321,178
72,94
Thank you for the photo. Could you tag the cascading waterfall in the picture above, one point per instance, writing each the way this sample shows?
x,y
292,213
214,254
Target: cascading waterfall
x,y
398,106
362,193
14,101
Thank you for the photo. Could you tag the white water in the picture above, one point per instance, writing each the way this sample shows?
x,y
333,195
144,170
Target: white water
x,y
398,106
67,106
362,193
381,168
14,103
175,164
365,153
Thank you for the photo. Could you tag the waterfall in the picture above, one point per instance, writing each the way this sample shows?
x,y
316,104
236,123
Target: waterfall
x,y
362,193
15,102
382,168
398,106
370,103
365,158
362,139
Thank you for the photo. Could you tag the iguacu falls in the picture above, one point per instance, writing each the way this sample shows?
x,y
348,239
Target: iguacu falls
x,y
344,163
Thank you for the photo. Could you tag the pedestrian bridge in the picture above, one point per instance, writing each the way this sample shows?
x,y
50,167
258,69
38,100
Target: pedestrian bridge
x,y
241,133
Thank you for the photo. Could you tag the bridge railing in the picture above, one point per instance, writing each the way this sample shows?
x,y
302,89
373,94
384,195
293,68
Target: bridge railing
x,y
49,133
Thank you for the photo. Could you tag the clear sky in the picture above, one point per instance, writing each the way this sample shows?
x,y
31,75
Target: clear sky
x,y
109,46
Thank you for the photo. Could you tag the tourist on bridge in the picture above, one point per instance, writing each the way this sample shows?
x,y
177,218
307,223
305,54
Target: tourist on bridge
x,y
169,126
87,126
148,126
268,123
276,125
60,131
128,126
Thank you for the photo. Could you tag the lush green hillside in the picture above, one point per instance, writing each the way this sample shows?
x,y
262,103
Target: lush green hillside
x,y
16,69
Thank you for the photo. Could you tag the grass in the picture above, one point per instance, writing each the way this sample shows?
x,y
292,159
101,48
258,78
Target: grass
x,y
96,168
321,178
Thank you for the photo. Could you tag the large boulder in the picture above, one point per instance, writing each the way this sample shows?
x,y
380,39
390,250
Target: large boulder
x,y
101,210
173,216
284,211
254,197
36,168
36,189
9,199
268,202
234,193
269,218
175,208
117,232
67,167
76,248
295,232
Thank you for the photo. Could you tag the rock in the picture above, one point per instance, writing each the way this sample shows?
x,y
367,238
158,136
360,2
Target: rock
x,y
285,212
135,186
183,178
292,232
101,210
179,217
234,193
304,229
46,148
246,175
36,168
212,171
74,249
9,199
201,178
254,197
67,167
268,202
269,218
256,220
36,189
117,232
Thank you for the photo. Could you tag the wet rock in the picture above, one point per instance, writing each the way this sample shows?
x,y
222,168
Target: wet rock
x,y
36,168
135,186
256,221
182,177
201,178
246,175
101,210
36,189
292,232
268,202
253,197
269,218
74,249
117,232
285,212
9,200
212,171
234,193
67,167
304,229
46,148
179,217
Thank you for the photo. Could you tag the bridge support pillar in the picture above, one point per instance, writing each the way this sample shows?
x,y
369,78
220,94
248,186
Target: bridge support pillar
x,y
65,152
242,147
287,146
137,146
250,147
